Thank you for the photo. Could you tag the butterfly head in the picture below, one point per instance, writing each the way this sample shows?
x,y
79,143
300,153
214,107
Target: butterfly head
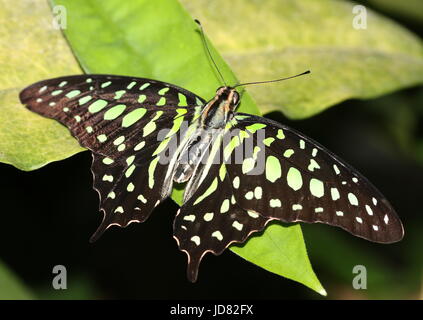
x,y
221,108
228,97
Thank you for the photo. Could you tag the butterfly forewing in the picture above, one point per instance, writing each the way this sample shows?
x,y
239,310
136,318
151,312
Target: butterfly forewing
x,y
127,123
300,180
98,109
264,171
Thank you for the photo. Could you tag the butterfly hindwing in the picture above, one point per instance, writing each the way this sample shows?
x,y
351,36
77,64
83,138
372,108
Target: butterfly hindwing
x,y
210,220
299,180
129,190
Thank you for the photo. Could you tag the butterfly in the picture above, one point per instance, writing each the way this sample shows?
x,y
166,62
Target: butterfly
x,y
240,171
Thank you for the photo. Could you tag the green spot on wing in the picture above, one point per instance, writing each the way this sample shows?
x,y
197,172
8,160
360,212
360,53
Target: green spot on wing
x,y
225,206
151,170
106,84
96,106
254,127
151,126
133,116
142,98
198,102
273,169
241,117
208,192
119,94
268,141
83,100
176,125
222,172
119,140
163,91
145,85
294,178
161,146
182,100
129,160
130,187
73,93
229,148
180,112
280,134
114,112
131,85
317,188
161,102
288,153
139,146
248,165
107,161
102,138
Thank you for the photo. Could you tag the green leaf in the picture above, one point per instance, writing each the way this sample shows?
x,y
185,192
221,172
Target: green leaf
x,y
278,38
160,40
281,250
384,280
11,288
31,50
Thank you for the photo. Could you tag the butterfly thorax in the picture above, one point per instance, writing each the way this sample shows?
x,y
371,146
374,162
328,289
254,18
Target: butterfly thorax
x,y
216,113
219,110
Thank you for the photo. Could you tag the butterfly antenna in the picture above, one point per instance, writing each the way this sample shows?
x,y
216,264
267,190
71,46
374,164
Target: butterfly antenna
x,y
203,38
275,80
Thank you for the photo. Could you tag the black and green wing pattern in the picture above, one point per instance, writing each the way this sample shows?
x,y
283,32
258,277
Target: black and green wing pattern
x,y
303,181
298,181
119,120
254,171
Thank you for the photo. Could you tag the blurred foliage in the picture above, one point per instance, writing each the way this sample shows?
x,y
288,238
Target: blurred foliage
x,y
106,52
379,137
288,37
100,50
11,288
31,50
391,125
409,9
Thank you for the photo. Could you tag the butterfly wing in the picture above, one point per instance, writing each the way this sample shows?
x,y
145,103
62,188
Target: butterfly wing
x,y
210,219
99,107
264,171
302,181
120,119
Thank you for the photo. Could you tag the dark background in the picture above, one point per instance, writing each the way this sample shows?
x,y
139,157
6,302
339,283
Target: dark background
x,y
48,216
